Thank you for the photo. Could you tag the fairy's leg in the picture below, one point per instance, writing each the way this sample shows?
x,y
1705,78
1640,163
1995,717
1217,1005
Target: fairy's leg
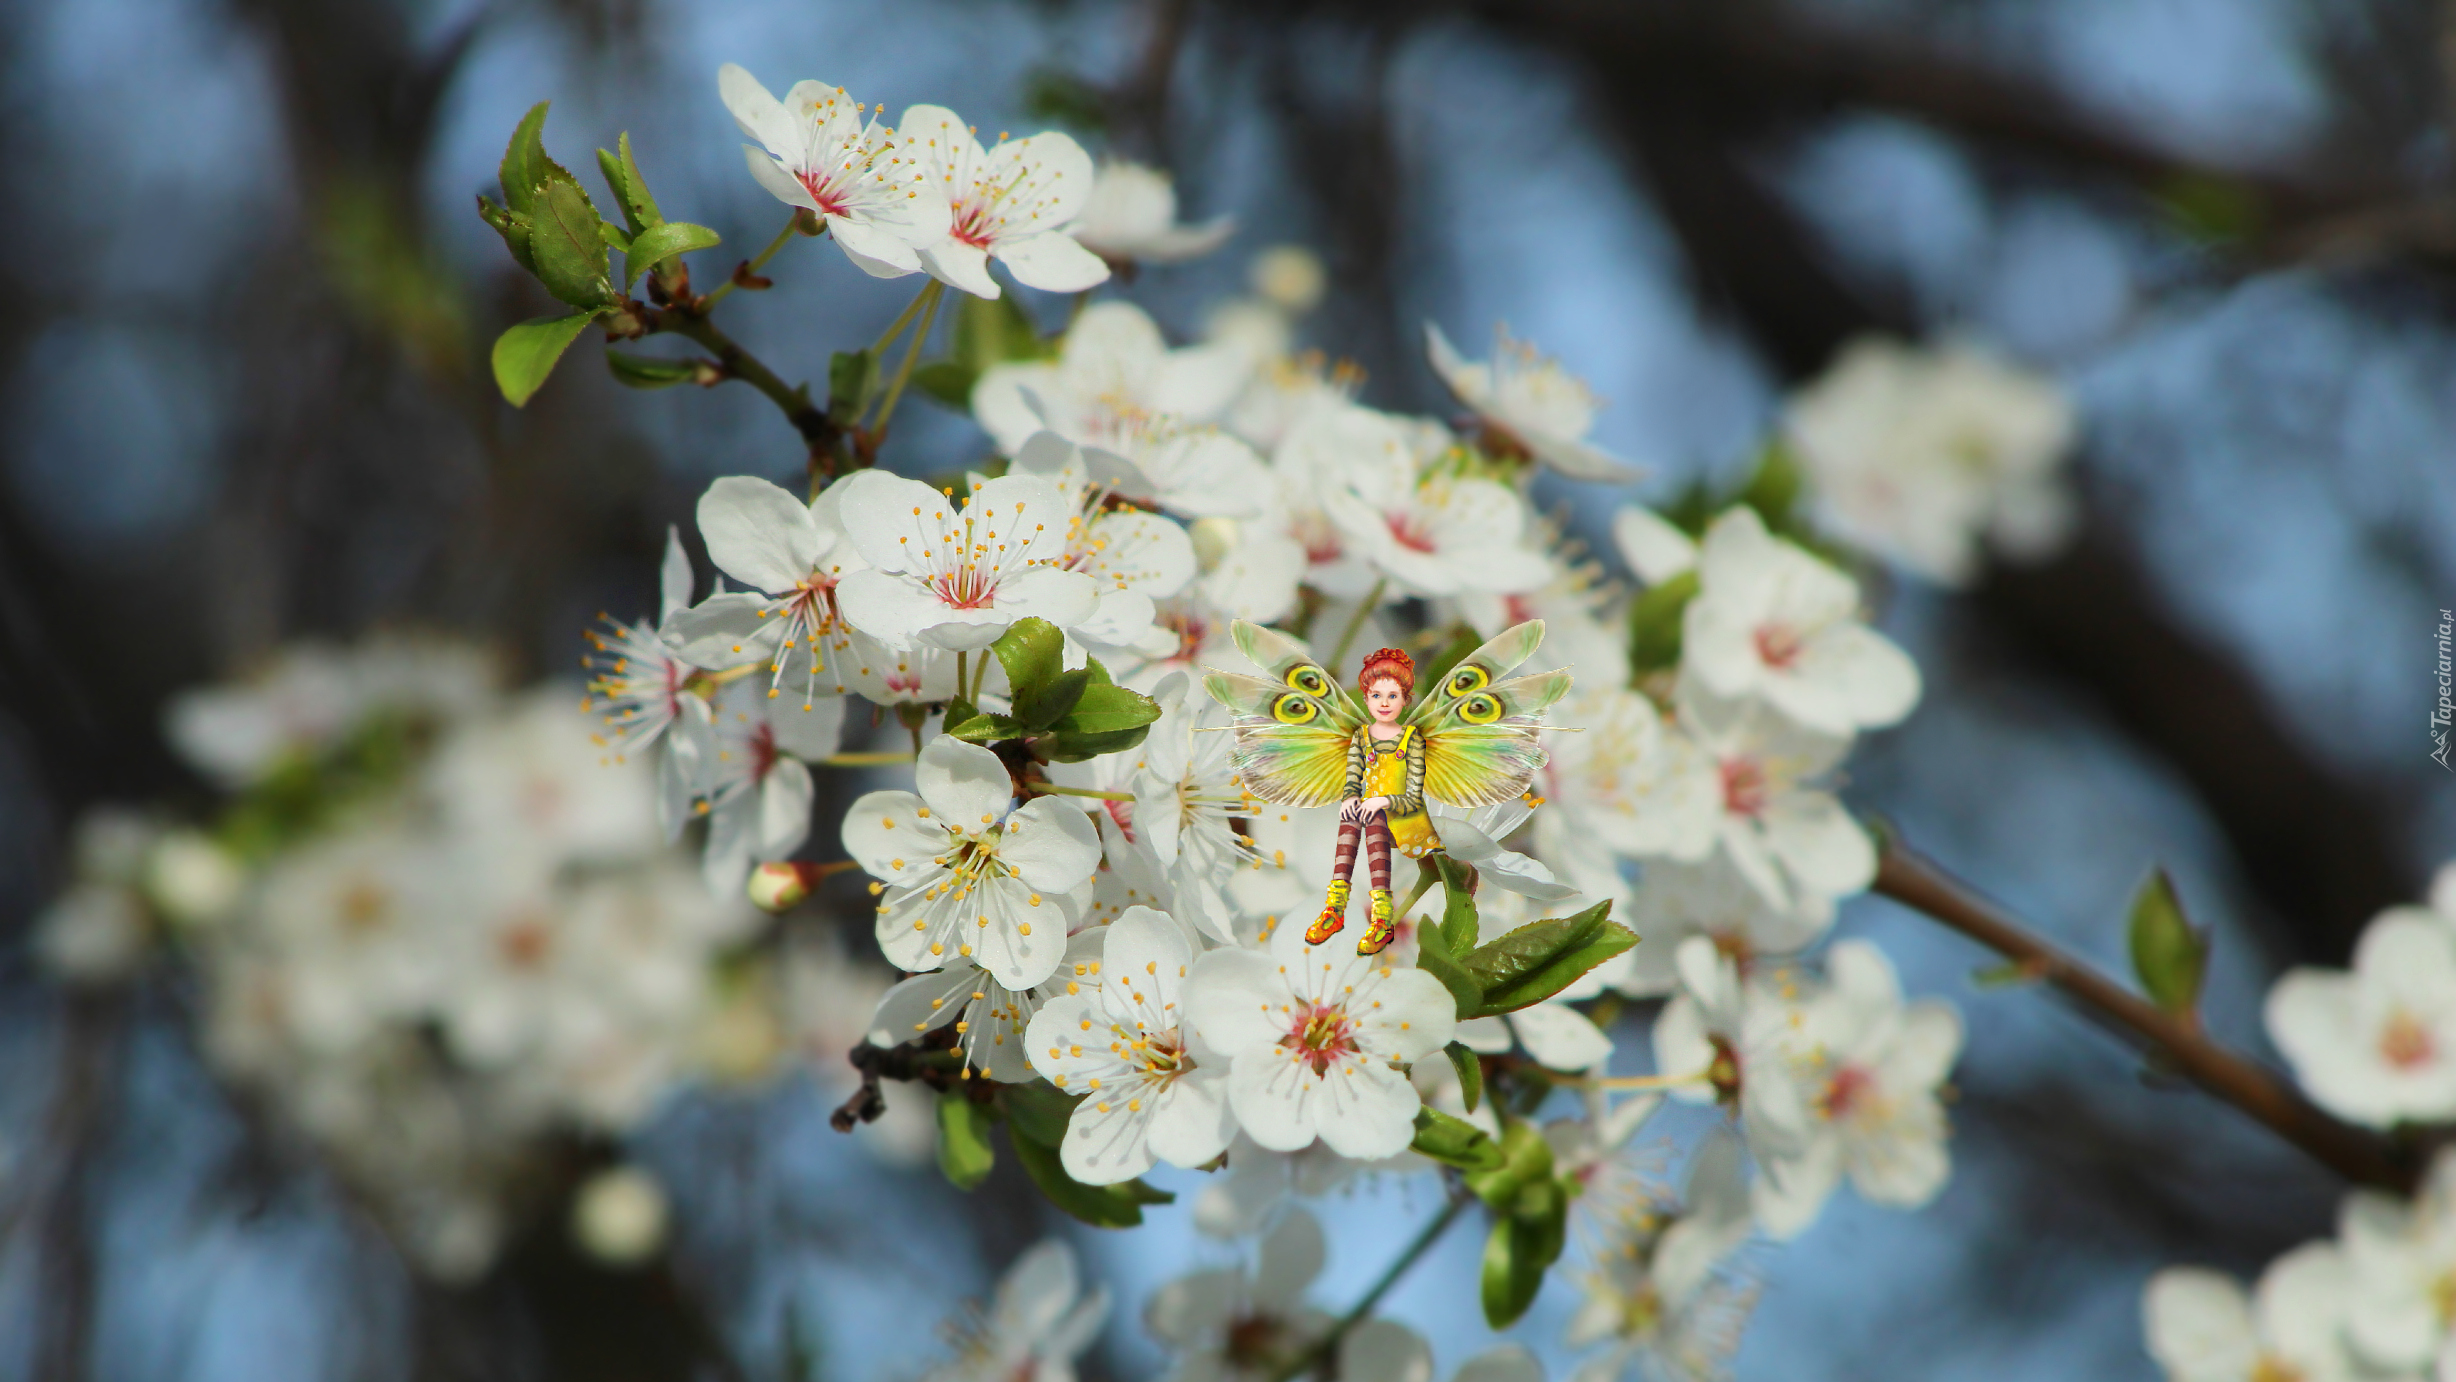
x,y
1377,861
1334,905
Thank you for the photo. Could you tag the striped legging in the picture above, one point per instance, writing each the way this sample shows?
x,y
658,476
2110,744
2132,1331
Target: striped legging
x,y
1375,831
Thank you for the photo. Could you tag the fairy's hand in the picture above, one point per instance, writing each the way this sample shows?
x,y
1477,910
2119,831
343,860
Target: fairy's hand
x,y
1372,806
1349,810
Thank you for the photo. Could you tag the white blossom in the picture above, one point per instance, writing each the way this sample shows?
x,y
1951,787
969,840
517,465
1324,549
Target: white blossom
x,y
1231,1324
1431,531
955,576
1011,202
1037,1325
2203,1328
1318,1037
990,1018
754,785
1131,217
1135,559
620,1216
1526,403
1117,389
1729,1038
1920,456
1655,1292
965,877
1874,1071
1770,619
1711,898
1152,1090
871,188
2378,1044
2401,1259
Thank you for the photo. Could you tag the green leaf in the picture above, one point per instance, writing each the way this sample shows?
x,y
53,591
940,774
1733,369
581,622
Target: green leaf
x,y
1459,923
1038,1110
512,226
644,372
659,243
1052,97
2212,208
852,380
622,175
984,729
1455,1142
1539,959
525,354
1032,651
1654,624
1470,1073
1434,957
614,239
946,381
1062,746
1523,1244
525,165
1773,491
964,1152
1525,1158
1107,708
2170,957
571,255
1101,1206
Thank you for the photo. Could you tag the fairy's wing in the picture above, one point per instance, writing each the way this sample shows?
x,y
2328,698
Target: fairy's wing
x,y
1292,730
1480,748
1475,671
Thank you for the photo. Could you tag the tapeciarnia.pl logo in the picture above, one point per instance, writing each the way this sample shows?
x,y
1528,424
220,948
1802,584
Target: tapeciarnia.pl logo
x,y
2441,715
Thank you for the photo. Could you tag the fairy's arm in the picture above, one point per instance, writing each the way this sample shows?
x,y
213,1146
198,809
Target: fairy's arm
x,y
1355,769
1411,799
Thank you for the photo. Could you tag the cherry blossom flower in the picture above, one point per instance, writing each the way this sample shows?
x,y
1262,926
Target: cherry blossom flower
x,y
309,697
793,556
2203,1328
1654,547
965,877
1526,404
1621,781
1011,202
1711,898
1117,388
754,786
1039,1322
1432,533
1230,1324
642,689
1381,1350
1919,456
955,576
2401,1258
2377,1045
1791,840
1152,1090
1875,1069
1187,806
1655,1292
1473,838
1772,620
1558,1036
1729,1040
1134,558
1318,1037
990,1018
872,189
1131,217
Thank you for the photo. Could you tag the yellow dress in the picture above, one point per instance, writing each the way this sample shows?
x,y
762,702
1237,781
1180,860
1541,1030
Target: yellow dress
x,y
1388,765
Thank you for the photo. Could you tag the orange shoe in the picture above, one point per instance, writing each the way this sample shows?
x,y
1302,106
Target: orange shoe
x,y
1377,935
1333,917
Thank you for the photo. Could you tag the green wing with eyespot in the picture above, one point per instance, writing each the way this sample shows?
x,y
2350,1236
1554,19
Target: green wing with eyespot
x,y
1480,744
1292,730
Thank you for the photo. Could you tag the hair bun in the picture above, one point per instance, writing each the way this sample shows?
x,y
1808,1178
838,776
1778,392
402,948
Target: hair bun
x,y
1388,662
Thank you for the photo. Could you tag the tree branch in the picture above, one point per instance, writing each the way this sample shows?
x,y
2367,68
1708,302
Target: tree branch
x,y
2355,1153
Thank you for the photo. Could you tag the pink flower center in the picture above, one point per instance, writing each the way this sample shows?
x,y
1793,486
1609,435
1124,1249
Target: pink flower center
x,y
763,752
1744,786
967,587
824,189
2405,1043
1849,1089
1778,645
1122,812
1320,1034
525,943
1408,533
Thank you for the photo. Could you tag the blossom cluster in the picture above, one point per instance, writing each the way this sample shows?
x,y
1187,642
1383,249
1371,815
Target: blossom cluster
x,y
2375,1046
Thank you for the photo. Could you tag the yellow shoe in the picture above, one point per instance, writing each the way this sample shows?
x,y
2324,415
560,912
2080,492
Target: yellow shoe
x,y
1333,917
1377,936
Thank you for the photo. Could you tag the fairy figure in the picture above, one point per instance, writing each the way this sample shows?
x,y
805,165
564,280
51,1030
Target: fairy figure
x,y
1302,740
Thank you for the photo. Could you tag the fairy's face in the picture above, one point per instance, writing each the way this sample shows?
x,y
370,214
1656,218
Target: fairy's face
x,y
1385,700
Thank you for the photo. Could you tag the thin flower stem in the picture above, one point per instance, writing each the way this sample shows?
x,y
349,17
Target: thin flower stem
x,y
1054,790
962,660
864,760
1355,626
1424,884
980,674
2355,1153
912,353
792,228
1328,1345
902,320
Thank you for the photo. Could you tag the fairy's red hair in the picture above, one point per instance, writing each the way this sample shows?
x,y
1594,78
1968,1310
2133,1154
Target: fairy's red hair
x,y
1388,664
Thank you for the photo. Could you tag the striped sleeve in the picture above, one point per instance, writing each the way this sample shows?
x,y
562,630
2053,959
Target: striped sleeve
x,y
1355,767
1412,800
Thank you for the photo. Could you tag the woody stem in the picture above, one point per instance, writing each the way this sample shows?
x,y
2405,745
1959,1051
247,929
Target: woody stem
x,y
2355,1153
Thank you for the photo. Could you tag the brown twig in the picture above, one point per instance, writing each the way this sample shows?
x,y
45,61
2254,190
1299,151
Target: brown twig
x,y
2355,1153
